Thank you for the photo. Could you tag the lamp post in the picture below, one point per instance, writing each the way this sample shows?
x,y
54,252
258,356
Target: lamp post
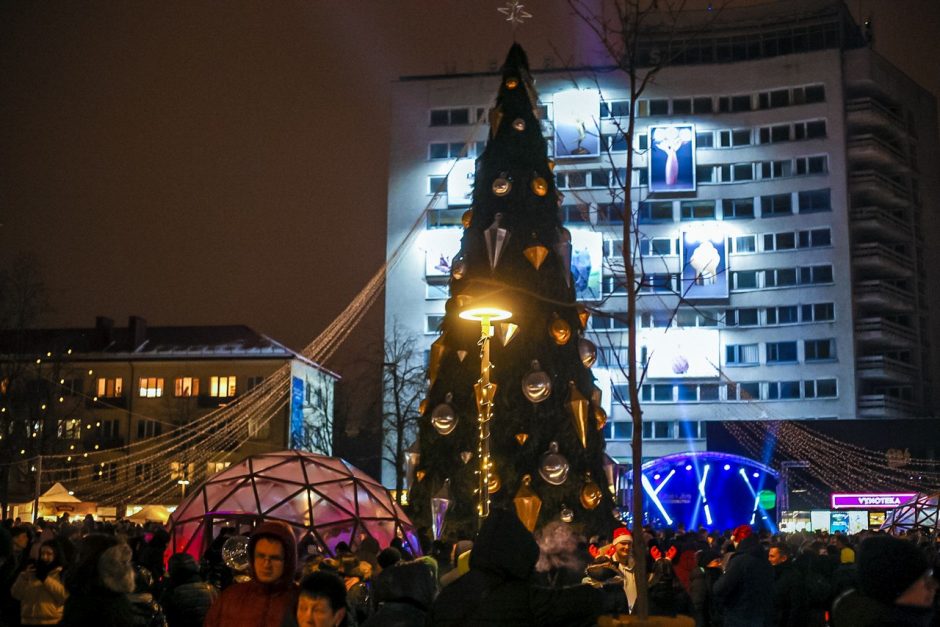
x,y
485,391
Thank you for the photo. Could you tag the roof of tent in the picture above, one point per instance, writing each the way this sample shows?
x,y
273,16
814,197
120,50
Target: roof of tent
x,y
921,512
151,513
58,493
324,499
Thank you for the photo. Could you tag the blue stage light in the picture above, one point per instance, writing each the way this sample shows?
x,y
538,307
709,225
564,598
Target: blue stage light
x,y
688,466
727,466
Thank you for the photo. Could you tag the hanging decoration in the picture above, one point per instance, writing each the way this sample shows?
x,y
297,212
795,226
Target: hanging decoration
x,y
467,218
522,438
496,238
610,472
600,417
536,384
518,124
578,406
527,504
553,467
566,514
466,456
501,186
420,475
461,354
458,268
583,315
440,503
444,418
587,352
560,331
423,406
494,484
536,254
506,332
436,353
495,118
412,457
539,186
591,493
512,82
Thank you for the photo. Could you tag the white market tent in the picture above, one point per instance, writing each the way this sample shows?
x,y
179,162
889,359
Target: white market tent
x,y
150,513
58,493
918,514
325,500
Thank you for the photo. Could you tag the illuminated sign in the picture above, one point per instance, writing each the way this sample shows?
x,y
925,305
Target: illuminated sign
x,y
460,183
672,158
311,408
681,353
882,500
440,246
704,263
587,259
576,115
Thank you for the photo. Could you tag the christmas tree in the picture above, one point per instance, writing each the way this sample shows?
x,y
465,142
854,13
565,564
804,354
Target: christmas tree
x,y
535,413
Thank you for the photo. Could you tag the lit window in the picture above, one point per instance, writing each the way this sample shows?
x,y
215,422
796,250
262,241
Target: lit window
x,y
214,467
110,388
151,387
69,429
222,387
186,386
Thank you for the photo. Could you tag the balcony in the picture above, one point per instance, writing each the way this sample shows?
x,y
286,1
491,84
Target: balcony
x,y
868,113
871,187
879,261
883,406
871,151
882,295
880,224
881,332
879,368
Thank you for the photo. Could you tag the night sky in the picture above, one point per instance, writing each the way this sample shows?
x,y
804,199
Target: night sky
x,y
226,162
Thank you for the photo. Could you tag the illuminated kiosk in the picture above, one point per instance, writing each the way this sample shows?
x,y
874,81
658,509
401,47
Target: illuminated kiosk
x,y
711,490
919,514
325,500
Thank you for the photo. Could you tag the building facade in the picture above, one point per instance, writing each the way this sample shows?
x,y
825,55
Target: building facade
x,y
783,179
135,415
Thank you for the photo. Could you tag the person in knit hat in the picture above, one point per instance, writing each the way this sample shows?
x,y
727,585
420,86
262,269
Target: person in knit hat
x,y
271,592
896,586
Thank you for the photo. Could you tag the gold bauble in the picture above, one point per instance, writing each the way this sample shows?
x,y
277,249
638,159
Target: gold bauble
x,y
539,186
600,417
560,331
501,186
521,438
518,124
467,218
512,82
494,484
420,475
536,254
591,494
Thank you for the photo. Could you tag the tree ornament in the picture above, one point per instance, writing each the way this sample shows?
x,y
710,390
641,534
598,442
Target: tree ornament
x,y
494,484
610,471
567,514
412,457
536,254
521,438
553,467
467,218
444,418
600,417
587,352
563,250
466,456
440,503
496,237
458,268
583,315
527,504
419,475
423,406
501,186
591,494
578,406
536,384
436,353
518,124
512,82
484,394
506,331
461,354
539,186
560,331
551,165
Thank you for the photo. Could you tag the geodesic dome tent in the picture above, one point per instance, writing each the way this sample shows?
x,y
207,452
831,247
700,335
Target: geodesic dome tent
x,y
325,500
920,513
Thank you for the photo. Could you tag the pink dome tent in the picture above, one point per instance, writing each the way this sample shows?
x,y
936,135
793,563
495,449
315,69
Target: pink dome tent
x,y
325,500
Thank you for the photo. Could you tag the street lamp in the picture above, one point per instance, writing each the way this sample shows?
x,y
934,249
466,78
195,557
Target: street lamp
x,y
485,392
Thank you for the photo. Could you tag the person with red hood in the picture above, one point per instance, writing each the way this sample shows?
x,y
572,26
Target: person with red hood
x,y
746,589
271,592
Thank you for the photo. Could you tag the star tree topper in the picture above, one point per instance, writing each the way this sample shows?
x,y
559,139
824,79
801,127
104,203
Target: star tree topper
x,y
515,13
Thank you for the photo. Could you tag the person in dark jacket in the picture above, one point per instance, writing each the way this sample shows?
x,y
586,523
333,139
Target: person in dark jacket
x,y
497,589
746,588
896,587
404,594
790,609
186,598
705,608
151,554
666,594
100,585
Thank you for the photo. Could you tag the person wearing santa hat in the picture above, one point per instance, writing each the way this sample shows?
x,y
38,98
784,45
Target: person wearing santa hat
x,y
746,589
623,557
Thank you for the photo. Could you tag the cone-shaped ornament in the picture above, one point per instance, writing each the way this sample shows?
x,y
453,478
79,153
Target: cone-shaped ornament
x,y
578,406
583,315
563,250
496,237
521,438
412,457
527,504
506,331
536,254
440,503
610,470
419,475
434,359
461,354
466,456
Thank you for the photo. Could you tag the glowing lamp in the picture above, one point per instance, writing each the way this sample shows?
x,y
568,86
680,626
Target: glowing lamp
x,y
727,466
688,466
485,314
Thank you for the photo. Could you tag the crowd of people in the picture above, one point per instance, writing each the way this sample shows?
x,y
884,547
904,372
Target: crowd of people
x,y
117,574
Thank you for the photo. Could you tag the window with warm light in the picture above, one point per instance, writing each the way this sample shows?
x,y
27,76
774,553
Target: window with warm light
x,y
181,472
222,387
69,429
151,387
214,467
110,388
186,386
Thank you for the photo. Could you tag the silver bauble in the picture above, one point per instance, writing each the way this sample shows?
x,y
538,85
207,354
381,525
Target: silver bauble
x,y
235,553
553,467
444,418
518,124
587,352
567,514
536,384
501,186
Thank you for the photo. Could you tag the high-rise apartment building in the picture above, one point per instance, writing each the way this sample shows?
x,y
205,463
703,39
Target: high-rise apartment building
x,y
784,179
